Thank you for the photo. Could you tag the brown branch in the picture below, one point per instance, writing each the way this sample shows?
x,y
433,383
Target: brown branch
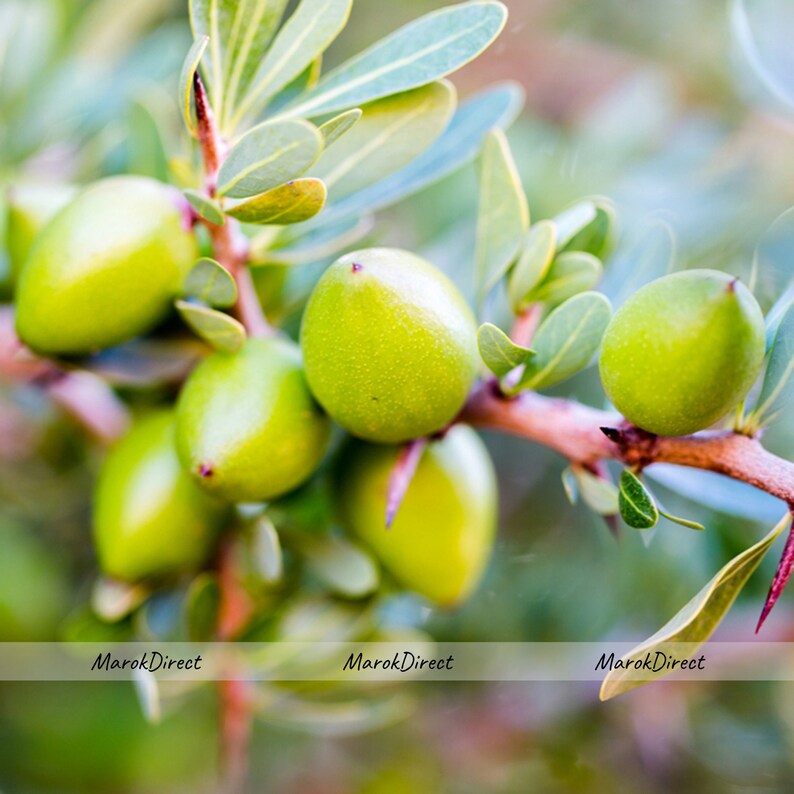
x,y
575,431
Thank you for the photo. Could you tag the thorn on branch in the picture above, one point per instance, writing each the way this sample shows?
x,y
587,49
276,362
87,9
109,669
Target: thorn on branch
x,y
782,575
401,476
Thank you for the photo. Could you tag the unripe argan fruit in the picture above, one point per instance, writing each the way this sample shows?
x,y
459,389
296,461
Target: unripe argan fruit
x,y
683,351
248,429
104,269
389,344
150,519
442,535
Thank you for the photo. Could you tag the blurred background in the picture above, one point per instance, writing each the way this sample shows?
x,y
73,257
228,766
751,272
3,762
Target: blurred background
x,y
682,112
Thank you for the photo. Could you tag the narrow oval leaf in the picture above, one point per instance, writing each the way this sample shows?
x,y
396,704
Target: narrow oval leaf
x,y
458,145
306,80
207,208
426,49
304,36
635,502
390,134
569,485
599,494
294,202
335,128
572,221
695,623
216,328
266,551
210,282
201,608
684,522
189,66
570,273
777,388
500,354
147,691
113,600
269,155
345,568
566,340
598,236
533,263
503,216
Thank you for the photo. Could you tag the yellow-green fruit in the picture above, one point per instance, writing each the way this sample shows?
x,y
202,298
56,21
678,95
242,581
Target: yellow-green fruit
x,y
442,535
683,351
105,268
390,345
150,519
248,429
29,208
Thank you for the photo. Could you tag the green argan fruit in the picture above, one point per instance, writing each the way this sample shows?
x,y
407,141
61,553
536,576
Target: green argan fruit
x,y
442,535
683,351
390,345
105,268
248,429
29,208
150,519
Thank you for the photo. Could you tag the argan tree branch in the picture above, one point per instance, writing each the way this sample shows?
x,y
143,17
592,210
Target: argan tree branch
x,y
588,436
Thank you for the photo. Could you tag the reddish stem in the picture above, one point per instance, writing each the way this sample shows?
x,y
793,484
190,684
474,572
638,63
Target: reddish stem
x,y
401,476
782,575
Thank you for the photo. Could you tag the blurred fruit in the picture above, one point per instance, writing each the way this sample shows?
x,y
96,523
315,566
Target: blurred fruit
x,y
441,538
150,519
248,428
389,345
682,351
105,268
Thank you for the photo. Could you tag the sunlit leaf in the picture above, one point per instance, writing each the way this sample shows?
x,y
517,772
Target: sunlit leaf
x,y
206,207
697,620
503,215
598,236
267,156
304,36
500,354
265,548
148,693
533,262
112,600
573,221
635,502
211,283
390,134
343,567
192,60
294,202
220,330
570,273
566,341
306,80
426,49
335,128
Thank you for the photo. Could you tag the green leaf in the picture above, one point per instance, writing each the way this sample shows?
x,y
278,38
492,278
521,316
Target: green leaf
x,y
598,236
599,494
300,85
684,522
570,273
189,66
304,36
390,134
500,354
572,221
269,155
424,50
503,216
569,484
211,283
636,504
220,330
201,608
458,145
533,263
695,623
294,202
335,128
265,548
778,383
343,567
239,32
566,340
205,206
147,147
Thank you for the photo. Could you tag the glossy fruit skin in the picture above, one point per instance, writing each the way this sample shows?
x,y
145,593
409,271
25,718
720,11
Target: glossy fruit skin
x,y
248,428
30,206
150,519
105,268
389,344
442,536
683,351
